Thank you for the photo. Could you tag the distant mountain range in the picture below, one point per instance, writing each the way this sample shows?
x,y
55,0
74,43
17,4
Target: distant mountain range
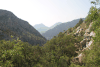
x,y
42,28
55,25
60,28
12,25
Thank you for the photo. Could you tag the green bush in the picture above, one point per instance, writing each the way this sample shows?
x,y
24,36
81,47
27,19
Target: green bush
x,y
92,15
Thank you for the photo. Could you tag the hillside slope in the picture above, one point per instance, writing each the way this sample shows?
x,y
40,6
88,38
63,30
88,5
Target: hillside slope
x,y
59,28
11,25
58,23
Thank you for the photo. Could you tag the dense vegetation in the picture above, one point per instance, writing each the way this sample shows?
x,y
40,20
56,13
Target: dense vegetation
x,y
78,24
55,53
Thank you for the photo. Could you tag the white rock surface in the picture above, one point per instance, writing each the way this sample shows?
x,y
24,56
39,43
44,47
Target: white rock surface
x,y
92,34
89,44
80,55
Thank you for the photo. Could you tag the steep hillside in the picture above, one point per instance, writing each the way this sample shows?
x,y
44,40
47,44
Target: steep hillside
x,y
59,28
11,25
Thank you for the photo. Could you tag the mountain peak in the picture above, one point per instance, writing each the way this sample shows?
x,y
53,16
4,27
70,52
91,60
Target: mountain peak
x,y
39,25
12,25
3,12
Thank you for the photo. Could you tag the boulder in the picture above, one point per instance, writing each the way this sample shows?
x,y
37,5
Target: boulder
x,y
89,43
92,34
83,43
87,31
80,58
78,27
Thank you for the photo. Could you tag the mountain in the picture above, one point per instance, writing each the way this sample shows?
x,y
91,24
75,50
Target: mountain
x,y
41,27
59,28
55,25
12,25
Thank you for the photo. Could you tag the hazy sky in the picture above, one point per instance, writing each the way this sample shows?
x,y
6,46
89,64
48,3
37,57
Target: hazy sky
x,y
47,12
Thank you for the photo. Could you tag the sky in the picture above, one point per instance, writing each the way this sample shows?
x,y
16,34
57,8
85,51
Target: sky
x,y
47,12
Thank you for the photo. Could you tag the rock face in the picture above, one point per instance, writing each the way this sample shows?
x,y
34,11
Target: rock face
x,y
78,32
11,25
84,44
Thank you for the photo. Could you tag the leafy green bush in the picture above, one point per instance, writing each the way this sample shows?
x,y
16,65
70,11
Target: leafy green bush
x,y
92,15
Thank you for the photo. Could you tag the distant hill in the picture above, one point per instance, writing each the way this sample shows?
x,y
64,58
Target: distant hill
x,y
55,25
42,28
60,28
12,25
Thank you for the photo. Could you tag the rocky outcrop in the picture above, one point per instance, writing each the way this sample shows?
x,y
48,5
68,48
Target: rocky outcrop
x,y
84,44
78,31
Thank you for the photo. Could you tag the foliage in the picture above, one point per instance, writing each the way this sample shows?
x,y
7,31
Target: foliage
x,y
92,15
78,24
18,54
57,52
70,30
82,33
92,57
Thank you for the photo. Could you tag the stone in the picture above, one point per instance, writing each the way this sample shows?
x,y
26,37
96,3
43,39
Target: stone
x,y
87,30
78,27
92,34
86,35
89,43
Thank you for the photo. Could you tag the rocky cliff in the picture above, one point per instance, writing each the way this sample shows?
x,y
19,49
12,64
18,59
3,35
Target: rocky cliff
x,y
85,44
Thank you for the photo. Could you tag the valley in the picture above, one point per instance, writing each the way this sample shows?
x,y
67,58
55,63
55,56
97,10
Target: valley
x,y
70,44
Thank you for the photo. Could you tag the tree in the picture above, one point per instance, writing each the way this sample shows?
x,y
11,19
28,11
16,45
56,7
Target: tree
x,y
78,24
92,15
96,2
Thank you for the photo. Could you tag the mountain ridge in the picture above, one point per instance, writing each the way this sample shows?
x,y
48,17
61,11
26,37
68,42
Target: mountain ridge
x,y
42,28
59,28
12,25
